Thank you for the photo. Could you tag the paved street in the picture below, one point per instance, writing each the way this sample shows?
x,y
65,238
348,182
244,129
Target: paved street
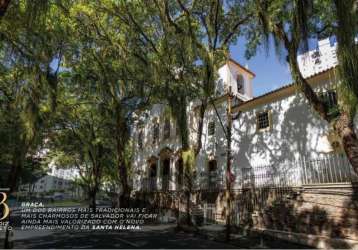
x,y
163,236
150,237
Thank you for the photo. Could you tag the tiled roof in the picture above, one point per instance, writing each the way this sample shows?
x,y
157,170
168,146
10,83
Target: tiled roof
x,y
242,67
282,88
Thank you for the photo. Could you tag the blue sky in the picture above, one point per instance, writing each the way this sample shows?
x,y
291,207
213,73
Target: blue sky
x,y
271,72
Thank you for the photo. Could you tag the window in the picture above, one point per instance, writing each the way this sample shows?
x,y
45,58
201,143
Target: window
x,y
316,54
330,99
317,61
211,128
240,84
212,174
155,132
180,172
263,120
140,140
166,128
212,166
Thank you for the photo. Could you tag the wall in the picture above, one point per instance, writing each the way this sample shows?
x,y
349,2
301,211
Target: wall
x,y
297,131
212,145
323,216
327,58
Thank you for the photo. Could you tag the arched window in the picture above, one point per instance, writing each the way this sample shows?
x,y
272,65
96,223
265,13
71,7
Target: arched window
x,y
155,132
240,84
180,173
166,128
211,128
212,174
140,139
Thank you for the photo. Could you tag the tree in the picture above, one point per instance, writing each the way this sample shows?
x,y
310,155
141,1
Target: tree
x,y
31,41
291,24
188,40
81,139
114,62
210,28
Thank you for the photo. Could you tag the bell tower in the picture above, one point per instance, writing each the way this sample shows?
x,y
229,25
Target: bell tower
x,y
238,77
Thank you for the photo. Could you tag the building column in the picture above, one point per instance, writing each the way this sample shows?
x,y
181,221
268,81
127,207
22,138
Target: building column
x,y
159,183
172,184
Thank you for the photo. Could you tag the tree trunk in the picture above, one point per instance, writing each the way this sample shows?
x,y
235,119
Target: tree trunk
x,y
124,198
92,198
344,125
347,65
96,175
344,128
17,165
188,197
304,86
188,216
178,106
122,132
3,7
183,127
228,169
202,110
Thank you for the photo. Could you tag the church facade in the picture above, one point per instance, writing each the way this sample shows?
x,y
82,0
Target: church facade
x,y
277,139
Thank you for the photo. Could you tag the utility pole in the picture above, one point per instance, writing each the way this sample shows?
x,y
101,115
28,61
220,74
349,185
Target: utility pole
x,y
228,132
228,165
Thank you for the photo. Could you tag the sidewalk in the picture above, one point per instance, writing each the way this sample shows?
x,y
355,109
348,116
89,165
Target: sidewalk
x,y
246,239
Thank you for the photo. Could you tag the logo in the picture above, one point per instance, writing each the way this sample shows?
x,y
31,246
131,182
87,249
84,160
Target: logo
x,y
5,208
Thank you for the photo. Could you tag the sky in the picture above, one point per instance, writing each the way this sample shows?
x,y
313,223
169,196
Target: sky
x,y
271,72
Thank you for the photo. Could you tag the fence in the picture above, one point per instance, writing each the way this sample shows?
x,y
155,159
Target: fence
x,y
332,169
258,186
210,181
323,170
149,184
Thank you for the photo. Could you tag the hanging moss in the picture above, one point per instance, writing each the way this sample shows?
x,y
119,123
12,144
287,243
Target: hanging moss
x,y
189,159
167,113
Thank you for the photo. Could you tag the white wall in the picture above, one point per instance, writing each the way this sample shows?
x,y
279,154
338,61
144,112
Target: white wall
x,y
233,72
213,146
227,77
327,59
297,131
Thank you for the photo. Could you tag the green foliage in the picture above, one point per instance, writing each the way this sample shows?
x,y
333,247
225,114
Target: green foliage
x,y
72,73
189,159
292,23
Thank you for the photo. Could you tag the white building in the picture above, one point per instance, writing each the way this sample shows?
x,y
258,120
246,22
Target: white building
x,y
322,58
56,180
278,129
